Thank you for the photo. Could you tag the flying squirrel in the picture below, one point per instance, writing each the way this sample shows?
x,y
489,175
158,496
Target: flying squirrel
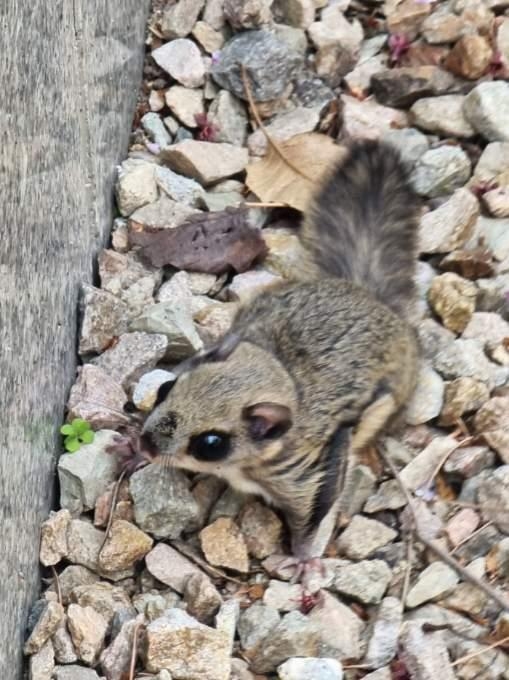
x,y
310,372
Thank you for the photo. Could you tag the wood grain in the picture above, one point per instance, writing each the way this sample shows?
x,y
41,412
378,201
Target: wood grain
x,y
70,71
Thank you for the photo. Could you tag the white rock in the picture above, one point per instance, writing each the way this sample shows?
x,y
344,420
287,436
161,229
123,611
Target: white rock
x,y
310,668
449,226
185,104
298,121
428,398
178,19
442,115
228,115
155,128
487,109
86,474
440,171
181,58
135,187
435,581
206,162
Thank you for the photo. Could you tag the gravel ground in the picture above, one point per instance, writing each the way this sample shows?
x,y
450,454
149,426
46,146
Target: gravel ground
x,y
162,575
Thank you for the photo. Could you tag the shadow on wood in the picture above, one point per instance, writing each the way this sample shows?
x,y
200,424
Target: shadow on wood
x,y
70,74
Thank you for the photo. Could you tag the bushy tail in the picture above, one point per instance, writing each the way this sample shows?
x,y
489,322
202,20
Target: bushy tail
x,y
362,225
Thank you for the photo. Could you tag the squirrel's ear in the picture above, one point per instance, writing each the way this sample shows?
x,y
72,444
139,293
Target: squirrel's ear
x,y
267,420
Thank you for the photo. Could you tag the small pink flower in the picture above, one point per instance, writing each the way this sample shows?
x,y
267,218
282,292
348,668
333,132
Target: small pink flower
x,y
398,45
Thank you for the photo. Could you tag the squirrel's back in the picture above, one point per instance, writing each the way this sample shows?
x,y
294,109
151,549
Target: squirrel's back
x,y
362,224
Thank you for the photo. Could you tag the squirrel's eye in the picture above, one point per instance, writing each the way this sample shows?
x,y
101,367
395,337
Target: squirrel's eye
x,y
210,445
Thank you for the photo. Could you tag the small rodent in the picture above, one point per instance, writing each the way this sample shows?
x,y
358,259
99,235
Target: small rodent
x,y
312,371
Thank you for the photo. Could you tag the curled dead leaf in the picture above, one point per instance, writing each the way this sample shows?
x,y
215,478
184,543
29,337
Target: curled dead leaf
x,y
206,242
292,176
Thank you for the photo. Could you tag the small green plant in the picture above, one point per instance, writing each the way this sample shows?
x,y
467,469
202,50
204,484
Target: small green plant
x,y
76,433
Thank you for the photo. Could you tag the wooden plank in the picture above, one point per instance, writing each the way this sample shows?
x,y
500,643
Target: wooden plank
x,y
70,74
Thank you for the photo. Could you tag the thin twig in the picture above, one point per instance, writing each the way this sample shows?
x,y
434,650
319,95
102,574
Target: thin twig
x,y
112,508
444,458
408,571
467,657
134,650
435,547
183,548
57,585
256,204
259,122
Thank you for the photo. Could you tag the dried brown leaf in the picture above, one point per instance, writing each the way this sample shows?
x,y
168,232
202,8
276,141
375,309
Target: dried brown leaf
x,y
274,179
207,242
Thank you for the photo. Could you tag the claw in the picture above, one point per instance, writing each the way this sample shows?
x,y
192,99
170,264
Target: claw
x,y
306,572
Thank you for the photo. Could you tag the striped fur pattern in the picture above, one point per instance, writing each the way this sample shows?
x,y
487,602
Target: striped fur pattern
x,y
332,358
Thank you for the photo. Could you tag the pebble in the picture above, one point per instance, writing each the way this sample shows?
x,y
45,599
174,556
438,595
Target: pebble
x,y
380,674
179,188
449,226
310,668
54,537
46,625
174,321
182,60
228,115
442,115
410,143
177,21
470,57
405,18
185,104
247,13
427,400
453,299
294,635
368,119
497,201
186,648
461,525
213,13
442,27
388,497
86,474
461,396
125,546
42,664
215,320
88,631
469,461
72,577
256,624
135,187
156,100
75,673
401,87
132,356
298,121
62,644
440,171
285,597
224,545
437,580
96,398
207,162
492,422
365,581
163,504
359,79
383,642
262,529
249,284
425,654
84,543
210,39
340,629
103,318
170,567
487,109
487,327
116,658
466,358
268,61
155,128
335,30
358,486
296,13
421,468
145,392
363,536
201,597
163,214
107,600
